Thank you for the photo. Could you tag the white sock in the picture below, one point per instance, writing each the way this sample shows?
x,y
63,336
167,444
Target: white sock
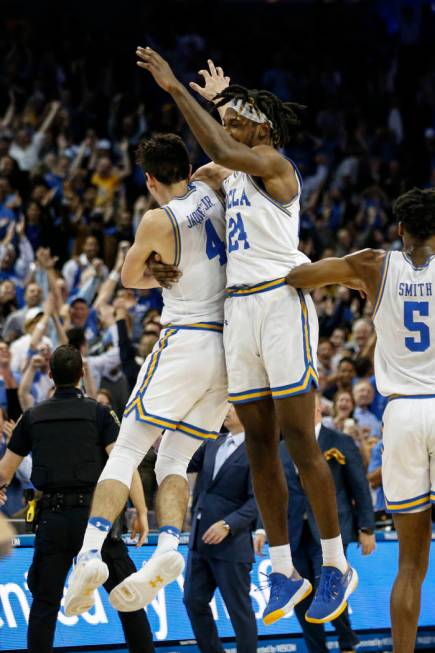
x,y
333,553
169,539
95,534
281,559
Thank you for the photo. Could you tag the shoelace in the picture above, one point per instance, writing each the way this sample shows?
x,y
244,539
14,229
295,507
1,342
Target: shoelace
x,y
327,587
274,587
267,583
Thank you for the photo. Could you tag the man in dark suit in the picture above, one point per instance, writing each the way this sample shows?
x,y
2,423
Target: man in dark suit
x,y
220,547
357,523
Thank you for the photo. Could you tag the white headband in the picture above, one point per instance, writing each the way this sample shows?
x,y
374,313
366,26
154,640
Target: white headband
x,y
249,111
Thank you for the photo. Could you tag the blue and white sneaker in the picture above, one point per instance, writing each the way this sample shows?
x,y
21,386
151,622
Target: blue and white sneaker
x,y
332,593
89,572
285,593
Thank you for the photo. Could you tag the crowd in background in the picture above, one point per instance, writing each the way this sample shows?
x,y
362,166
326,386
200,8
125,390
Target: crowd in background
x,y
71,195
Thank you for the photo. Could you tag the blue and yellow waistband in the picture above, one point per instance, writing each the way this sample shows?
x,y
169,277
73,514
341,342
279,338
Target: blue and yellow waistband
x,y
242,291
197,326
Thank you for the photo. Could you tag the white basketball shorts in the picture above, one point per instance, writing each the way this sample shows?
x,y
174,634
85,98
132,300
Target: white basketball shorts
x,y
182,384
270,337
408,459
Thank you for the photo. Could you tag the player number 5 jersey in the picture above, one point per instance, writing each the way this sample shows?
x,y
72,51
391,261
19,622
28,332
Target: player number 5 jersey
x,y
198,221
404,318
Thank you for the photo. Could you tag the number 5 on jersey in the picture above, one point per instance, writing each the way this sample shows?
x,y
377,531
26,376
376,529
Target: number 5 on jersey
x,y
422,342
237,234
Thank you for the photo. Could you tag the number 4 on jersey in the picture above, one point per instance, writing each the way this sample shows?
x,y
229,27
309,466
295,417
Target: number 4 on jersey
x,y
214,246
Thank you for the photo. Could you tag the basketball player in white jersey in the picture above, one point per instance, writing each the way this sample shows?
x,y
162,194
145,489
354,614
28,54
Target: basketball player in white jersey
x,y
401,288
182,386
271,330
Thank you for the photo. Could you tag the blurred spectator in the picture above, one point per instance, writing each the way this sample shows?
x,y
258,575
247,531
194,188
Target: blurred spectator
x,y
74,268
14,325
364,395
342,418
346,372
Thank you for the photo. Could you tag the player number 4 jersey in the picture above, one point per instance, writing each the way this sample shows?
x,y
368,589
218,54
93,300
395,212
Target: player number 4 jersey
x,y
262,234
198,221
404,318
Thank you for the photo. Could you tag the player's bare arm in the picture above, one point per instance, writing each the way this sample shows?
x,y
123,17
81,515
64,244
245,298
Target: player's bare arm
x,y
261,161
154,234
212,174
360,271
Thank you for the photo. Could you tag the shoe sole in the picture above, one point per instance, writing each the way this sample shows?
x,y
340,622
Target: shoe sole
x,y
139,589
343,605
80,594
302,593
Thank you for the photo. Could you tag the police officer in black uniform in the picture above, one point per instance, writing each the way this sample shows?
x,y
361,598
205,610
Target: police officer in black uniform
x,y
69,436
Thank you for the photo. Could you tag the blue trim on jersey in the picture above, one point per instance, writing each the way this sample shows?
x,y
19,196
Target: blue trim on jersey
x,y
298,174
420,267
380,291
275,202
177,235
394,397
190,189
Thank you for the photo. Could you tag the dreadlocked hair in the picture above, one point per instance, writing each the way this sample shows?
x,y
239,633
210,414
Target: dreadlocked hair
x,y
284,116
416,211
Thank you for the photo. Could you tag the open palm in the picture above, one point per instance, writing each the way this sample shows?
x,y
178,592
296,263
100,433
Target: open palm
x,y
214,81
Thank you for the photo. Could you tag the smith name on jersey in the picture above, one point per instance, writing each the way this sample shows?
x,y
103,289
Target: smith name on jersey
x,y
404,318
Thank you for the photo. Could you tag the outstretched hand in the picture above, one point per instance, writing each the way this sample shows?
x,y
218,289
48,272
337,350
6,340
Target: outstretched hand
x,y
158,67
214,82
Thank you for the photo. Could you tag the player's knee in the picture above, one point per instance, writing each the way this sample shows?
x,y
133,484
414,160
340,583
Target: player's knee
x,y
121,465
169,465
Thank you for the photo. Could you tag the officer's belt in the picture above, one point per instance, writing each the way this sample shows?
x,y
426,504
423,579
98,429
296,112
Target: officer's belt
x,y
60,500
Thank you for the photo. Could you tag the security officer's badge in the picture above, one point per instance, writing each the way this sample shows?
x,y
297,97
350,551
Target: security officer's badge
x,y
115,417
335,453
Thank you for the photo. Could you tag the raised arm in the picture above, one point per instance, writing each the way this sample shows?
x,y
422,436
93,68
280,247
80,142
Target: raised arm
x,y
154,234
261,161
55,106
215,81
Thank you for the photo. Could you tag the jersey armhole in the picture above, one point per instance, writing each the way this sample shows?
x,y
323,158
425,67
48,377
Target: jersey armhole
x,y
177,237
381,287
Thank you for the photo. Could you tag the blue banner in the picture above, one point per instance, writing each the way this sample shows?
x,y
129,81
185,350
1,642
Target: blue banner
x,y
369,607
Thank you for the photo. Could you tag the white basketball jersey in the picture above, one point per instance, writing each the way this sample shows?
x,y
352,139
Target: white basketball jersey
x,y
262,234
198,220
404,318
